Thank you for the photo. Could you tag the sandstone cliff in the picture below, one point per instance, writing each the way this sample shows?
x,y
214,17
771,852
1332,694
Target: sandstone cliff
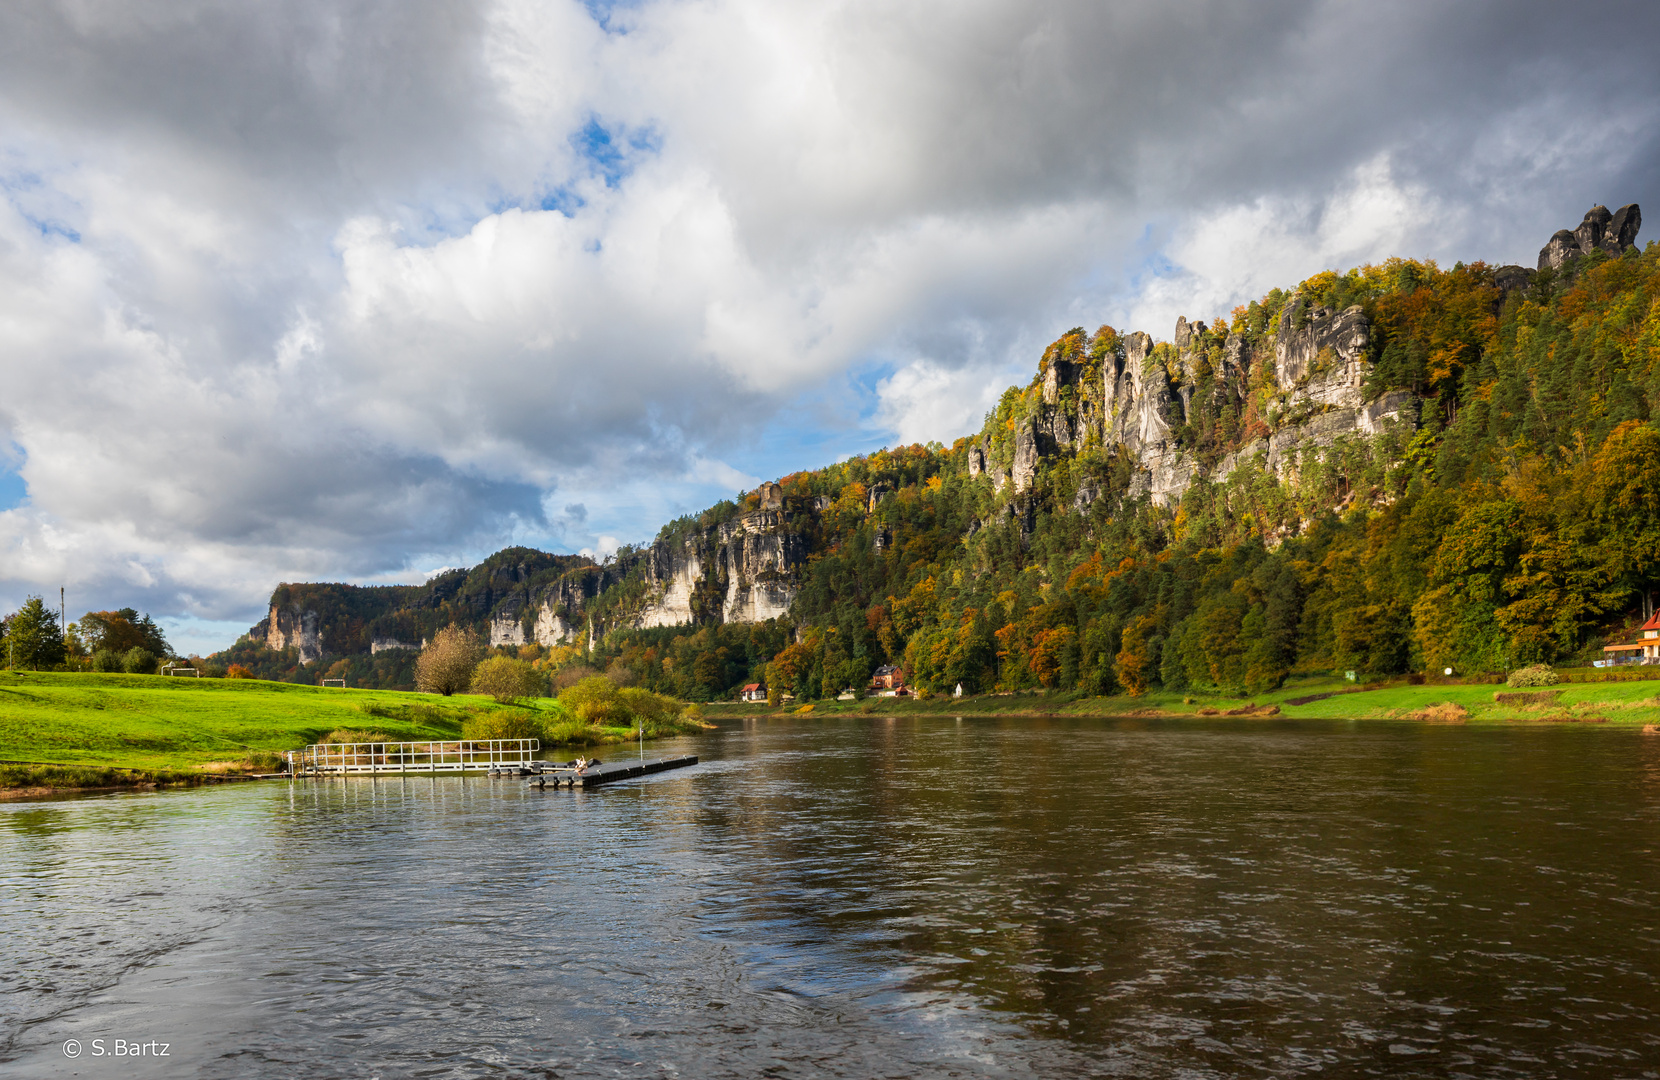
x,y
1313,361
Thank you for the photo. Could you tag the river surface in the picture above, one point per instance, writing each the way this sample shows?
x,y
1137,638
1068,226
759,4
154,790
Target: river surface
x,y
869,898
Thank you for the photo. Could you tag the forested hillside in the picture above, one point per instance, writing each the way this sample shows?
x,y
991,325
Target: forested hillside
x,y
1391,469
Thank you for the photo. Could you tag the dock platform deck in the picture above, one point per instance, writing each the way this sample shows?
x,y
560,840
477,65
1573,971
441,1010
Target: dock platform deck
x,y
607,773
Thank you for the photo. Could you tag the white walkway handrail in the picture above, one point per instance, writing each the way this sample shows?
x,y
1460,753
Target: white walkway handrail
x,y
459,755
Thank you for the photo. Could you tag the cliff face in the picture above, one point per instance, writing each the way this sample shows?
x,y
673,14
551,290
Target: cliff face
x,y
743,570
1319,358
291,627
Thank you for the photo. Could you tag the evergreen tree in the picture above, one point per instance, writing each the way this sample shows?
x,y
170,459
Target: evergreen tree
x,y
35,636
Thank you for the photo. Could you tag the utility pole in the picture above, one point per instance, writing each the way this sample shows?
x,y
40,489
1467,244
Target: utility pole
x,y
63,624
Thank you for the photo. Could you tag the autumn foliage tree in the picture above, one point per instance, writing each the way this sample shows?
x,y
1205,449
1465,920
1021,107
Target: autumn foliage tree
x,y
507,679
446,665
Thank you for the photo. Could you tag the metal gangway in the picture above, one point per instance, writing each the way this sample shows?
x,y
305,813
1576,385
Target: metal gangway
x,y
463,755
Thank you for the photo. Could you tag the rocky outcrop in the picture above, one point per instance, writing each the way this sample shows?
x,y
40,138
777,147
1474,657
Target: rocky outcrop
x,y
1152,395
743,570
293,627
1320,355
1280,452
1612,233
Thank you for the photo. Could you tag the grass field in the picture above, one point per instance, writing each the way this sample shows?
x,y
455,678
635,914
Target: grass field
x,y
1610,702
155,723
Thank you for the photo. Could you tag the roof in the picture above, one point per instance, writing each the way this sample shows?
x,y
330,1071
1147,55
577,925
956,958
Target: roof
x,y
751,686
1627,647
1653,621
886,669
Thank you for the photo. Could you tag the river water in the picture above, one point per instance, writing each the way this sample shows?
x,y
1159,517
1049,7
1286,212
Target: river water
x,y
869,898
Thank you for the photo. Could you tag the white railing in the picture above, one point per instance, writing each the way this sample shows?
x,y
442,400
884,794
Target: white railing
x,y
464,755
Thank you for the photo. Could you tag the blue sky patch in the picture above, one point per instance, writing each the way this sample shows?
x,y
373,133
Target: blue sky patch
x,y
610,152
12,489
564,200
605,12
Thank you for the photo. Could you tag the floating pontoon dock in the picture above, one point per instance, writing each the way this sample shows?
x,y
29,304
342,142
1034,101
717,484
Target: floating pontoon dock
x,y
557,776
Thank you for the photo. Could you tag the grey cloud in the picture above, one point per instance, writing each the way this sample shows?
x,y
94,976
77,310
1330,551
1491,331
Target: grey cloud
x,y
280,346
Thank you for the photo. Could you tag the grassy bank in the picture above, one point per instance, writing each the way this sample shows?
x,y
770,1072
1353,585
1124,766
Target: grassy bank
x,y
1613,702
22,781
219,726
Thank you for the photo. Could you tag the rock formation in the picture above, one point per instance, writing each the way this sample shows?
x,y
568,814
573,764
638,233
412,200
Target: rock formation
x,y
743,570
292,627
1612,233
1321,359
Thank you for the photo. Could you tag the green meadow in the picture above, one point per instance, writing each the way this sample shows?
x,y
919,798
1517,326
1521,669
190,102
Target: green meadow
x,y
226,725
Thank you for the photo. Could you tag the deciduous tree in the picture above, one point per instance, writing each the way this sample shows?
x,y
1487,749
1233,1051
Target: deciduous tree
x,y
446,664
507,679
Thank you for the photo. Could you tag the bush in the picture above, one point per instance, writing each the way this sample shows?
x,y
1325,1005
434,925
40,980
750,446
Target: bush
x,y
106,661
1536,675
507,679
352,735
237,671
596,700
571,674
503,724
138,661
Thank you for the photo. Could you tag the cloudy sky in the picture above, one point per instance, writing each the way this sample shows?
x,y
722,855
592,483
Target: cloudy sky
x,y
358,289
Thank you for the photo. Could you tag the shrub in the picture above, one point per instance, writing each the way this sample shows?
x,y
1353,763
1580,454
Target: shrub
x,y
507,679
572,732
596,700
1446,712
106,661
353,735
138,661
647,707
1536,675
571,674
237,671
502,724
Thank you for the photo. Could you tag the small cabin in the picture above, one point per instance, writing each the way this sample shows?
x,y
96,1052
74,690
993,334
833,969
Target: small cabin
x,y
1645,650
753,692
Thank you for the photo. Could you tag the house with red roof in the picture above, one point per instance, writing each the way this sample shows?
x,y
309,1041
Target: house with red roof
x,y
1645,650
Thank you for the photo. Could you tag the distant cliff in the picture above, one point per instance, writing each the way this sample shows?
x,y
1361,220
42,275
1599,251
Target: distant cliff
x,y
740,567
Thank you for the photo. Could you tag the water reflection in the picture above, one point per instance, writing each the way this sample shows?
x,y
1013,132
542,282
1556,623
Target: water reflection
x,y
908,897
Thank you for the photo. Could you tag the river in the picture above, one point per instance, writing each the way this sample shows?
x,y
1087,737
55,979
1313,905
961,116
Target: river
x,y
869,897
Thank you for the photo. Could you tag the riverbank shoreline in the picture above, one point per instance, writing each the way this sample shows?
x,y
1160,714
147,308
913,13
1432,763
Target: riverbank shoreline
x,y
1614,703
